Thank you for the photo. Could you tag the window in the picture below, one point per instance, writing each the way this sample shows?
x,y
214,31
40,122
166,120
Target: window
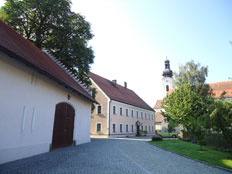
x,y
137,114
99,109
152,117
127,128
132,113
145,128
114,127
141,115
145,116
121,111
152,128
120,127
132,128
98,127
127,112
149,128
149,116
167,88
142,128
114,110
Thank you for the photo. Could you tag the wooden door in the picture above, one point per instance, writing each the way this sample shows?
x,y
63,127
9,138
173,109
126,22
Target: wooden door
x,y
63,126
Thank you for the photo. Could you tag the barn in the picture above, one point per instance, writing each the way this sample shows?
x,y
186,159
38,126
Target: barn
x,y
42,106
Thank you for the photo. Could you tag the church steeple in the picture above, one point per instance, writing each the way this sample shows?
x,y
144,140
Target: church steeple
x,y
167,71
168,82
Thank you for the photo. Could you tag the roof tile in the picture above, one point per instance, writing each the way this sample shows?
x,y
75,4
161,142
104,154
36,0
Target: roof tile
x,y
119,93
25,51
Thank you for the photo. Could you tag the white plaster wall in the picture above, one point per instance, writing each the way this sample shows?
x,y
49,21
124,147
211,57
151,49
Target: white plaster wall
x,y
167,81
24,92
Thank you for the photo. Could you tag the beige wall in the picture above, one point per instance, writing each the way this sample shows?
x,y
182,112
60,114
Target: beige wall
x,y
123,119
99,118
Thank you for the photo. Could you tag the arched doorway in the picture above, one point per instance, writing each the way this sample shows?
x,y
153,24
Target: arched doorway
x,y
63,126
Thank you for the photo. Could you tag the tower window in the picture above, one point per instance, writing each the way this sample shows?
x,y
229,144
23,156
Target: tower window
x,y
167,88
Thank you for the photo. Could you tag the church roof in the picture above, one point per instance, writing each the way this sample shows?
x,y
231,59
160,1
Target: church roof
x,y
21,49
119,93
158,104
159,117
219,87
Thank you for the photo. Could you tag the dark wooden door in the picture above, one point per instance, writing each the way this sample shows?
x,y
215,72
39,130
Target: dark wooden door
x,y
63,126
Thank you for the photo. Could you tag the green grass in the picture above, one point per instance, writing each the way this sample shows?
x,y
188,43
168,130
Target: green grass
x,y
218,158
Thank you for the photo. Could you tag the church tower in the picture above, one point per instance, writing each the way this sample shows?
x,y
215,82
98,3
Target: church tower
x,y
167,79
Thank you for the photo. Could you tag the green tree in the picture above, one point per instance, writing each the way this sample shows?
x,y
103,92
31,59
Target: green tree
x,y
221,118
187,107
50,24
194,74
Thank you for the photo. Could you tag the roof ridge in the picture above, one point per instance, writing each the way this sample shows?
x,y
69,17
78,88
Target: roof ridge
x,y
66,70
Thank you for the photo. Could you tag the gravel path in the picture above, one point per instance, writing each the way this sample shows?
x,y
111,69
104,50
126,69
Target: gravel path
x,y
106,156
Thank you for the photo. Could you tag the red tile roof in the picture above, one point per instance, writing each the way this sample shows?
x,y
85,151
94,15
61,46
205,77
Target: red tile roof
x,y
16,46
158,104
159,117
119,93
220,87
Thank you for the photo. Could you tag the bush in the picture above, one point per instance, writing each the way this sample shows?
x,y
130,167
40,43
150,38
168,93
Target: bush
x,y
217,141
184,135
156,138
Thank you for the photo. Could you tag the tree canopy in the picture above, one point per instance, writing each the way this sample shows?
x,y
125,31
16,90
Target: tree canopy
x,y
194,74
187,107
50,24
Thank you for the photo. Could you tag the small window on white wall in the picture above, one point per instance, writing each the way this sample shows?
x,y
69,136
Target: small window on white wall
x,y
114,127
132,128
132,113
127,128
99,109
121,111
114,110
127,112
120,127
98,127
137,114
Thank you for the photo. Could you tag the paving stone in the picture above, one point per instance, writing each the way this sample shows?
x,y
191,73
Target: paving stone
x,y
106,156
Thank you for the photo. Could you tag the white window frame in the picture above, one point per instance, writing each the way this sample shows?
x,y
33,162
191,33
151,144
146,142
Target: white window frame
x,y
100,127
127,112
97,109
132,128
120,127
121,109
115,110
115,127
127,126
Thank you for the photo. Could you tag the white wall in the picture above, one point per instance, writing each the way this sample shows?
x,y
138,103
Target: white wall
x,y
23,92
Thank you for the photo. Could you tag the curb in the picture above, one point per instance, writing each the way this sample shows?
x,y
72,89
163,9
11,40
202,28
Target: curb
x,y
212,165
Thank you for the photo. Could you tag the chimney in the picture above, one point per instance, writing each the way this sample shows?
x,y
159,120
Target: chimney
x,y
125,84
114,82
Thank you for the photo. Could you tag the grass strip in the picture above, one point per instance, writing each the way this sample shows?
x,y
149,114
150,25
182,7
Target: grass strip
x,y
222,159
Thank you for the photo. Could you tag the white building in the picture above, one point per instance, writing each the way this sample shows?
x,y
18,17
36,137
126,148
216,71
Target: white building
x,y
42,107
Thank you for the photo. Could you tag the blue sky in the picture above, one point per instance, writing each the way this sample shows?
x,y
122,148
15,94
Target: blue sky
x,y
133,38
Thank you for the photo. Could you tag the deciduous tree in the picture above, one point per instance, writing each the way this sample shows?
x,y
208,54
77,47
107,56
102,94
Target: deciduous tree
x,y
50,24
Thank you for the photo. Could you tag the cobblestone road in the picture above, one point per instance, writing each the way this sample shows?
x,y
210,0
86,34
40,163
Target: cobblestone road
x,y
106,156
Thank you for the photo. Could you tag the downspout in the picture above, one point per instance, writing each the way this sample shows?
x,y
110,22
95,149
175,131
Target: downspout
x,y
109,117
